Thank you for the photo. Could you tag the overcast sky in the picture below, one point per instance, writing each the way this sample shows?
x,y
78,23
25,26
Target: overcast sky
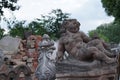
x,y
88,12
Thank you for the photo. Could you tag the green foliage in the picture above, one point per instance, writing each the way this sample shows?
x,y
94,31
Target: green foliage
x,y
18,29
112,7
36,28
92,32
9,4
109,31
52,22
48,24
1,32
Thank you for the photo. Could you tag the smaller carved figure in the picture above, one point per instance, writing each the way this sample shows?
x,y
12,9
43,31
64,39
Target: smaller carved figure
x,y
101,45
46,67
75,43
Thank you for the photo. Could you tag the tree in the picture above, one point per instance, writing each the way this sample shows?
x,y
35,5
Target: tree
x,y
9,4
110,32
1,32
36,28
48,24
92,32
18,29
52,22
112,8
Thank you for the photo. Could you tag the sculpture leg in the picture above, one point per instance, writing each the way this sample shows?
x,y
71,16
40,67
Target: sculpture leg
x,y
97,54
106,52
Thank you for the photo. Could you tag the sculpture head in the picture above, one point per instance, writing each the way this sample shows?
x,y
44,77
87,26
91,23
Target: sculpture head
x,y
72,25
46,41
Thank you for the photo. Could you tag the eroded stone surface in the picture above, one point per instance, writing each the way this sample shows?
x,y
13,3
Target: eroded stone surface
x,y
46,66
87,59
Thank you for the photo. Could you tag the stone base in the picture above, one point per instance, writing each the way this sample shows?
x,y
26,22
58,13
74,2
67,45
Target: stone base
x,y
90,75
68,70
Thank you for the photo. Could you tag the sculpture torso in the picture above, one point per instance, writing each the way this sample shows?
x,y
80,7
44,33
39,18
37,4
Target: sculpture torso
x,y
72,42
73,39
75,43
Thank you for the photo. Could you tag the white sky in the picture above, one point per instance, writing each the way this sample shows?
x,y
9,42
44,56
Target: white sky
x,y
88,12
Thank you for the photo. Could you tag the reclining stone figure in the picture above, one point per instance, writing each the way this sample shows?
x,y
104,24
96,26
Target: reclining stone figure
x,y
75,43
101,45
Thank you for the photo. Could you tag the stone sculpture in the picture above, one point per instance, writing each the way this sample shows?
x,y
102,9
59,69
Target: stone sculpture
x,y
88,59
46,67
1,57
75,43
101,45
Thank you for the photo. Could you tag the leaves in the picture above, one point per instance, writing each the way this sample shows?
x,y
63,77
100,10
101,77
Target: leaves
x,y
48,24
18,29
1,32
53,20
10,4
112,8
109,32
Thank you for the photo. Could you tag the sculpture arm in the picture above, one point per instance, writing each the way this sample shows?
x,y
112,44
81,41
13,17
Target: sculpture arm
x,y
85,38
60,51
106,46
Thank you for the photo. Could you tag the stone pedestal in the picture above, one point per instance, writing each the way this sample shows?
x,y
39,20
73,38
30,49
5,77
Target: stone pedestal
x,y
76,70
91,75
